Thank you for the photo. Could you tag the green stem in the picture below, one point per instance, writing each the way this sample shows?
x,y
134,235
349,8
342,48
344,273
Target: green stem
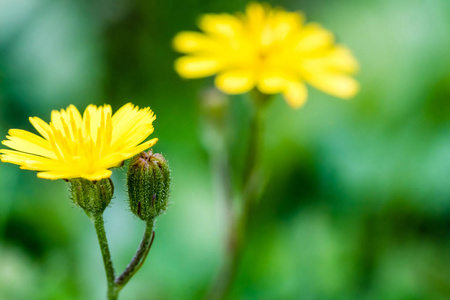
x,y
238,224
107,261
226,274
139,258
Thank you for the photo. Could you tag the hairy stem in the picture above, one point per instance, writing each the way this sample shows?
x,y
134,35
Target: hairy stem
x,y
107,261
139,258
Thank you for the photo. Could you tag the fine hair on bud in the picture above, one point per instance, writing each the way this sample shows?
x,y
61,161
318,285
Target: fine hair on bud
x,y
92,196
148,180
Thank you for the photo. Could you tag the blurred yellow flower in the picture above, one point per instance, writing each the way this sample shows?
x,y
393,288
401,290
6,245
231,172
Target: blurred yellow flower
x,y
85,146
270,49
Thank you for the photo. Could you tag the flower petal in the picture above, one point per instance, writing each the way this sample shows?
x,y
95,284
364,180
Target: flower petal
x,y
235,81
335,84
140,148
41,126
27,146
197,66
256,15
131,126
314,37
189,41
221,25
30,161
100,174
296,94
338,59
273,82
342,59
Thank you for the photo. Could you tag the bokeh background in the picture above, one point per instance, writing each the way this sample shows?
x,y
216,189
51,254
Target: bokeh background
x,y
357,205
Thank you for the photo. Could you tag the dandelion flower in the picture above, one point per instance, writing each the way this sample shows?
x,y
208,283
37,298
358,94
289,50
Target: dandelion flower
x,y
270,49
73,146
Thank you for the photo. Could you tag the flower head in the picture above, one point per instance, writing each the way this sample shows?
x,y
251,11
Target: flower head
x,y
73,146
270,49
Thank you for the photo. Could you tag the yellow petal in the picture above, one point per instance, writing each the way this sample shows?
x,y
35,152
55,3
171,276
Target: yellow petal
x,y
235,81
140,132
196,67
286,24
56,120
256,14
31,137
313,37
121,114
295,94
140,148
26,146
342,59
16,157
30,161
273,82
335,84
41,126
189,41
55,175
65,175
131,127
92,120
221,25
337,60
100,174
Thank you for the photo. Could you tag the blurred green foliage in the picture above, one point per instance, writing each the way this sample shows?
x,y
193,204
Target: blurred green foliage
x,y
357,205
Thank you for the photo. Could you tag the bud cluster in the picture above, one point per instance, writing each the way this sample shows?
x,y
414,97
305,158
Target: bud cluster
x,y
148,181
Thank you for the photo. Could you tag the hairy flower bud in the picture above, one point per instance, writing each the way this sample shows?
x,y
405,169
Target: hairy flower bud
x,y
92,196
148,181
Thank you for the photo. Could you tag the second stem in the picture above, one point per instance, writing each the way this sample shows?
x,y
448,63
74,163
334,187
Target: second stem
x,y
250,188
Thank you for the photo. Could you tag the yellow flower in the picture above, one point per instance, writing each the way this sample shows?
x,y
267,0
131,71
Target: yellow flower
x,y
270,49
85,146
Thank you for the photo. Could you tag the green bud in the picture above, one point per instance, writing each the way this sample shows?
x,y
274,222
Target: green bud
x,y
92,196
148,181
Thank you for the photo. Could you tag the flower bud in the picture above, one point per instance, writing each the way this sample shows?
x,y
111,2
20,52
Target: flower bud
x,y
148,181
92,196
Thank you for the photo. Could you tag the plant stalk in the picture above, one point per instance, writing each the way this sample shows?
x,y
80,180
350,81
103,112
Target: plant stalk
x,y
107,261
139,258
239,222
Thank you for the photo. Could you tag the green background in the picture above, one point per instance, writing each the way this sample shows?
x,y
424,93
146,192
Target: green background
x,y
357,202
